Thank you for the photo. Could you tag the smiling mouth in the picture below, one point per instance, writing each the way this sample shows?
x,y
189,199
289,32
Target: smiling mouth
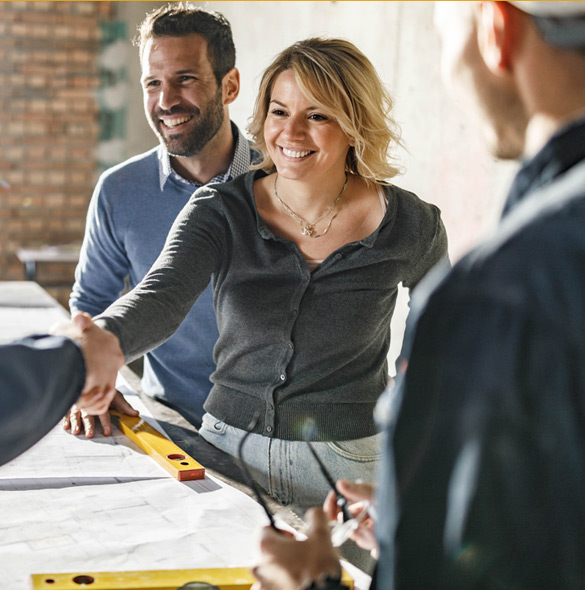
x,y
297,154
170,123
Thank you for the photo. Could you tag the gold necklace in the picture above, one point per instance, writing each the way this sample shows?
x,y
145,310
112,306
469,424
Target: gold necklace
x,y
308,228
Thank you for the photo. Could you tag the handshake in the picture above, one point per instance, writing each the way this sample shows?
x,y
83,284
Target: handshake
x,y
103,359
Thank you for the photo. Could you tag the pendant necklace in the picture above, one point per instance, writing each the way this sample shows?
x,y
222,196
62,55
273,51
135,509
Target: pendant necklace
x,y
308,228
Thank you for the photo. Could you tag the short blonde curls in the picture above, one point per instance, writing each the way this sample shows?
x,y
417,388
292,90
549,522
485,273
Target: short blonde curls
x,y
337,77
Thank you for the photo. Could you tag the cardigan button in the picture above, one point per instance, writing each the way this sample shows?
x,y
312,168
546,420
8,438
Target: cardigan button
x,y
269,429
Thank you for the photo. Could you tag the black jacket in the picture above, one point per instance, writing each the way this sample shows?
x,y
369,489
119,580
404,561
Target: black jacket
x,y
487,448
41,377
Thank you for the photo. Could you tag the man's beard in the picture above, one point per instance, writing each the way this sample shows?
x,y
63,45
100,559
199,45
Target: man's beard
x,y
204,126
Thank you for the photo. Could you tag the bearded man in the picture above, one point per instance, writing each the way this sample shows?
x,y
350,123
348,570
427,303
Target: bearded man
x,y
189,78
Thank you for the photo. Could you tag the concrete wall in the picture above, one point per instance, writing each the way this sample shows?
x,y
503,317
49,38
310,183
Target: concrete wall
x,y
445,160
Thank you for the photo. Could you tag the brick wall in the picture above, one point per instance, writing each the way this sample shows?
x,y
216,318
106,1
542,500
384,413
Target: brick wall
x,y
48,129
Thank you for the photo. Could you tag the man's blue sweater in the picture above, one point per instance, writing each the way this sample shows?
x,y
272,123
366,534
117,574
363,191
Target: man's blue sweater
x,y
128,221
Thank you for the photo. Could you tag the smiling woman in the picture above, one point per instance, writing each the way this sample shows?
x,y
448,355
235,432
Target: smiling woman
x,y
357,101
305,255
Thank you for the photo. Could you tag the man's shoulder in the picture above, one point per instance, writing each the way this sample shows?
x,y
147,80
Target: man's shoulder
x,y
533,261
139,168
546,225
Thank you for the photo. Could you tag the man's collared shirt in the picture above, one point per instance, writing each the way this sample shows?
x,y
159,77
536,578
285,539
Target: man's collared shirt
x,y
239,164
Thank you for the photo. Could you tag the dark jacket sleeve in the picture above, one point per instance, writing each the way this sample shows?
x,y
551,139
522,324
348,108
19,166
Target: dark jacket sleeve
x,y
40,378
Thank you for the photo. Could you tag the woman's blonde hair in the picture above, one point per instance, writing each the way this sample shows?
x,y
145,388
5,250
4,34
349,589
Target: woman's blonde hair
x,y
338,78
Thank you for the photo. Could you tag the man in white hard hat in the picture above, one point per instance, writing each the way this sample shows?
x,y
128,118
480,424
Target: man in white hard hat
x,y
483,484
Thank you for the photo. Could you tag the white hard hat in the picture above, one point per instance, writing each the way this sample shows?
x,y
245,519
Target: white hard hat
x,y
552,9
560,23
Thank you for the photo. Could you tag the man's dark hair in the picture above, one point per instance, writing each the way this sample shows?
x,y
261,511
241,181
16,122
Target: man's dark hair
x,y
182,19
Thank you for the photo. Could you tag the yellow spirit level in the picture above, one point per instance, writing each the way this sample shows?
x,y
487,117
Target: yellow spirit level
x,y
237,578
165,452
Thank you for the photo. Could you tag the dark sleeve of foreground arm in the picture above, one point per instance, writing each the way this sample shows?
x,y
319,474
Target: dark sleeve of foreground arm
x,y
40,378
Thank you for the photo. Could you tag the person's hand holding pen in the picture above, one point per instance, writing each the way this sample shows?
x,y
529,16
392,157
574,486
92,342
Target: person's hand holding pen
x,y
360,503
287,563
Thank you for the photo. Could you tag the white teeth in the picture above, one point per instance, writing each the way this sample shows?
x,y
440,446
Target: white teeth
x,y
175,122
293,154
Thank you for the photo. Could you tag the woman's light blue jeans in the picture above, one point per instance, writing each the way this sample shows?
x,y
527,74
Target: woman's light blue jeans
x,y
288,471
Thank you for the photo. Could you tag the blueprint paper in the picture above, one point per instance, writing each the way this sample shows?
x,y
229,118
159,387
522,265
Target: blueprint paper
x,y
71,504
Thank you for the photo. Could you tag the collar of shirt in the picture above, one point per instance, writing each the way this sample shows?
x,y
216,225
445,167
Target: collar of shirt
x,y
239,164
563,150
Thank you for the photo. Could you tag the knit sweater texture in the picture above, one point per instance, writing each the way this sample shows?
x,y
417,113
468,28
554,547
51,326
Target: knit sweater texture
x,y
293,344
